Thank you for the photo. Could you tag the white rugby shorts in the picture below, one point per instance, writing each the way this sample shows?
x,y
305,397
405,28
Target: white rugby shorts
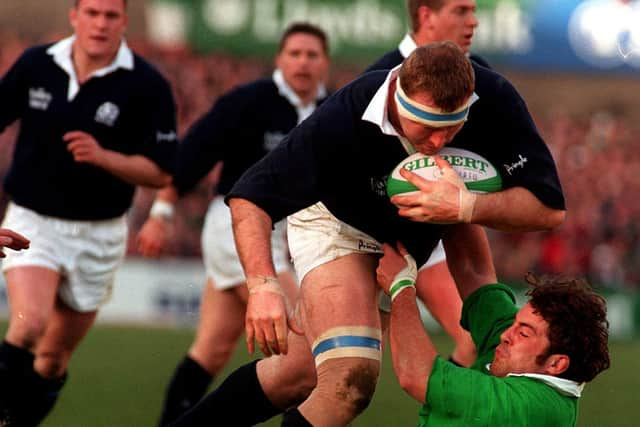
x,y
219,249
317,237
85,253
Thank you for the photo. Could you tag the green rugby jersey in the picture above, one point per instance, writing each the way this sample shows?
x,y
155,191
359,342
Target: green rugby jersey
x,y
473,397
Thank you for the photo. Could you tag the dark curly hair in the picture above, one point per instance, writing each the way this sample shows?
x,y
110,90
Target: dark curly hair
x,y
578,326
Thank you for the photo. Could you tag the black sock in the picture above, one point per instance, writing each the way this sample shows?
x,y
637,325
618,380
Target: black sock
x,y
16,369
293,418
187,386
15,359
239,401
44,394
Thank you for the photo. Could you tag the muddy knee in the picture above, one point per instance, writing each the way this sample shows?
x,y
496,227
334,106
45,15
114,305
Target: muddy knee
x,y
357,387
348,365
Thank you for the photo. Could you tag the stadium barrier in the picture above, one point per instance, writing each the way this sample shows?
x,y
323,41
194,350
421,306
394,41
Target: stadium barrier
x,y
167,293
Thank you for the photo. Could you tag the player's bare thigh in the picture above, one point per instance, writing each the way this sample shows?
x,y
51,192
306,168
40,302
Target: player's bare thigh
x,y
32,294
342,292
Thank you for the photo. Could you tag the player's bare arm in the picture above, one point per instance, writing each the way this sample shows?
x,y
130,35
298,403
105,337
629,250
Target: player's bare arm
x,y
411,363
153,236
446,201
267,314
469,257
515,209
134,169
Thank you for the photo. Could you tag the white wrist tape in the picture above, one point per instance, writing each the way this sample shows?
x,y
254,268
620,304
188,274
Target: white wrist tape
x,y
466,199
162,209
406,278
257,284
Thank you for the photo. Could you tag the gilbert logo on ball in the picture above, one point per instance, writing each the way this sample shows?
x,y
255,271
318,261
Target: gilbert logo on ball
x,y
478,174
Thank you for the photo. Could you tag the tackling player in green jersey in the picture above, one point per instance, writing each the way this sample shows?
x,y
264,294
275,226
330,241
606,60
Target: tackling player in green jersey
x,y
532,362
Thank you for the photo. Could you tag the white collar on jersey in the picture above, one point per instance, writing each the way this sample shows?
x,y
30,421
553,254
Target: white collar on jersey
x,y
376,111
407,45
61,53
285,90
561,385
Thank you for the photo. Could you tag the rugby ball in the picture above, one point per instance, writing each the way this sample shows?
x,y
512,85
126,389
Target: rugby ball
x,y
478,174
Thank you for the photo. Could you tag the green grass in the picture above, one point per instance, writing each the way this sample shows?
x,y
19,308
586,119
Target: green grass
x,y
117,379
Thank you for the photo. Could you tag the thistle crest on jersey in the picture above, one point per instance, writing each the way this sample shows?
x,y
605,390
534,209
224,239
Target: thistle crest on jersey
x,y
478,174
107,113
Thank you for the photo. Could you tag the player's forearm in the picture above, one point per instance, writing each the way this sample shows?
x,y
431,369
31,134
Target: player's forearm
x,y
412,350
135,169
469,257
515,209
252,234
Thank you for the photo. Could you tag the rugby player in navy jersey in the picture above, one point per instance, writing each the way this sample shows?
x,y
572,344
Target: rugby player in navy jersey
x,y
433,21
241,127
328,177
87,137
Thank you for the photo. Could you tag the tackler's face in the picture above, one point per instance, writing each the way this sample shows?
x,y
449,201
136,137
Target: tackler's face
x,y
304,63
99,26
521,344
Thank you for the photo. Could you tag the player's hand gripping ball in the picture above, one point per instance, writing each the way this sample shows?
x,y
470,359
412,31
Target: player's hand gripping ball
x,y
478,174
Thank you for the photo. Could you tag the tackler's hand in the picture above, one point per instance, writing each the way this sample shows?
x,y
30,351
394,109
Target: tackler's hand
x,y
396,270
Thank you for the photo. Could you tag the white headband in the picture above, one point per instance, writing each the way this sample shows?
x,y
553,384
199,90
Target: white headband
x,y
430,116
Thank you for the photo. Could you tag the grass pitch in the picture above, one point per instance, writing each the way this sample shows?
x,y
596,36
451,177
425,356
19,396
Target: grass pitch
x,y
118,375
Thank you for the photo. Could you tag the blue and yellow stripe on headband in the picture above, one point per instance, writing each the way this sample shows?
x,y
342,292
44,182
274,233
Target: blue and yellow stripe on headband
x,y
429,116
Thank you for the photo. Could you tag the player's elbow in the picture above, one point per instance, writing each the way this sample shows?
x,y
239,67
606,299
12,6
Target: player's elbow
x,y
160,180
414,385
554,218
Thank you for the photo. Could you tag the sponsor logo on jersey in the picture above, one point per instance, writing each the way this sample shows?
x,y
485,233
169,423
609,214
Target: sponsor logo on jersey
x,y
166,136
39,99
272,139
515,165
107,114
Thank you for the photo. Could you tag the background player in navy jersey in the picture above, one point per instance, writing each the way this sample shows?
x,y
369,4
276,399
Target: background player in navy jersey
x,y
241,127
326,176
88,136
433,21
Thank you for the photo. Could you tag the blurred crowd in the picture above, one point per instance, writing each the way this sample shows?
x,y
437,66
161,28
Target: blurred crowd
x,y
598,158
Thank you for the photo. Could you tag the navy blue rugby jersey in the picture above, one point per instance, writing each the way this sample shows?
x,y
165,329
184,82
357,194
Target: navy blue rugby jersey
x,y
394,57
339,159
241,127
129,111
